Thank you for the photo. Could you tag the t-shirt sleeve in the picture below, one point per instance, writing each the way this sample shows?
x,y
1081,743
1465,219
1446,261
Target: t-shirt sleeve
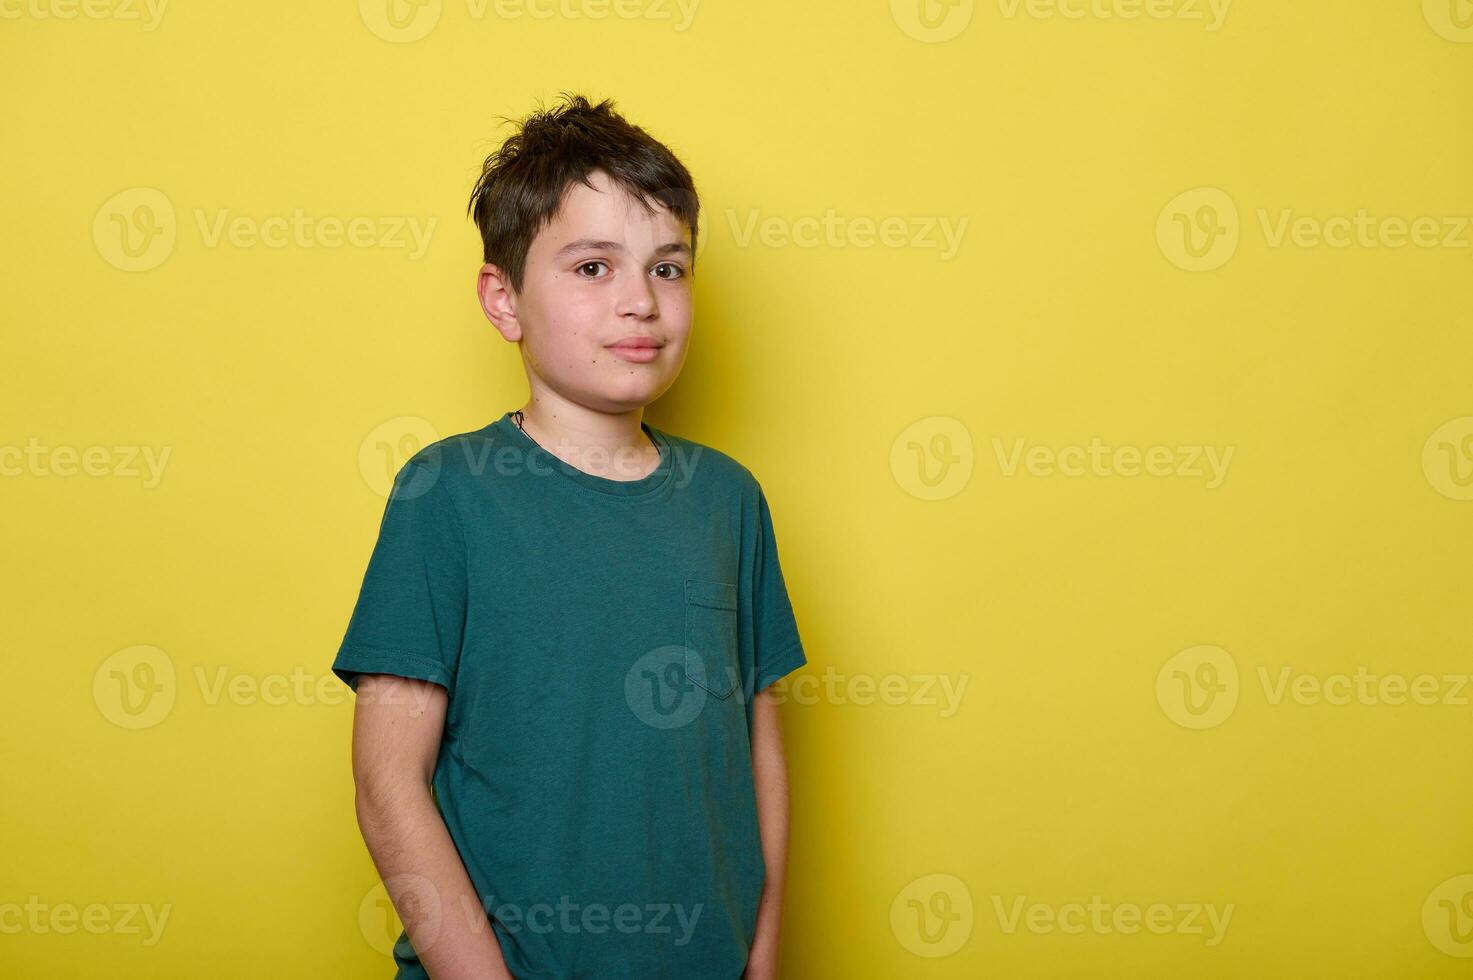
x,y
410,615
778,650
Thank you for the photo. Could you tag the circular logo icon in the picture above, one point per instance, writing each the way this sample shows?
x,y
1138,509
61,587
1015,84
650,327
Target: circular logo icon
x,y
932,916
379,921
135,687
672,196
135,229
703,234
1447,916
385,450
932,459
1451,19
658,691
1447,458
1198,687
932,21
400,21
1198,231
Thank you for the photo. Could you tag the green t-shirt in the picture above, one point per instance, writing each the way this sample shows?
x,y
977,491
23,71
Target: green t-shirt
x,y
600,641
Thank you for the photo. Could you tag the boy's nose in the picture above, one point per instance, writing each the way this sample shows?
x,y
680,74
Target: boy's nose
x,y
637,300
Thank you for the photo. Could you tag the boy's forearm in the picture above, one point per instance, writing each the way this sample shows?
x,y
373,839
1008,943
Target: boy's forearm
x,y
763,956
428,884
770,775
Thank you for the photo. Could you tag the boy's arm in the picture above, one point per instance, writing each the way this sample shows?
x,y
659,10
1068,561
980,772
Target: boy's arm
x,y
397,726
770,773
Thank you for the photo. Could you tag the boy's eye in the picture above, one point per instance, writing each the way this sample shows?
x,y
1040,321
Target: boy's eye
x,y
675,271
588,265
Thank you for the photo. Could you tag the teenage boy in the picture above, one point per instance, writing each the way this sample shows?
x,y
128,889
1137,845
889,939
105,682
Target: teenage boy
x,y
567,760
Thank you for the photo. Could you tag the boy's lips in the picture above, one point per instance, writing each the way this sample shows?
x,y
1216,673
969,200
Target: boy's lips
x,y
640,350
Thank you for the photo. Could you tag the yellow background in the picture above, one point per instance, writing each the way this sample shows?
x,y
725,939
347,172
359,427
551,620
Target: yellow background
x,y
268,373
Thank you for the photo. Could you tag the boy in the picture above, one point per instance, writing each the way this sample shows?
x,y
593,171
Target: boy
x,y
567,762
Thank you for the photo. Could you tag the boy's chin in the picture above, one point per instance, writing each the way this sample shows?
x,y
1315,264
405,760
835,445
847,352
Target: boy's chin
x,y
618,397
634,388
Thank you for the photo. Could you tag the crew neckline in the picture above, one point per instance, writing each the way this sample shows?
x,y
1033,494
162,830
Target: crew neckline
x,y
646,485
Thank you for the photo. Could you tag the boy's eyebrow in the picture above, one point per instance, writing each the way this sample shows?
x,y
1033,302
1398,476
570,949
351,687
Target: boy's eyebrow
x,y
589,244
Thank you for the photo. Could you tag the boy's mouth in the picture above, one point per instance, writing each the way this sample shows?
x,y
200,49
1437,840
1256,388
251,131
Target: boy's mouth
x,y
639,349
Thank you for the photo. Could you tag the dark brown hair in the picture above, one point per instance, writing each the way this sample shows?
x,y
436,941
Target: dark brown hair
x,y
522,184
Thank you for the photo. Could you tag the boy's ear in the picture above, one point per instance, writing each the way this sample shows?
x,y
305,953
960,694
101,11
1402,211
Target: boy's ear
x,y
498,302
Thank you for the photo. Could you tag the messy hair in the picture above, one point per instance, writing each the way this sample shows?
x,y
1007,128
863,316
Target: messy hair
x,y
522,184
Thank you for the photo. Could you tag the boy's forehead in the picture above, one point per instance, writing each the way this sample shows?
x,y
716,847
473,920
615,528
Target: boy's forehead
x,y
611,213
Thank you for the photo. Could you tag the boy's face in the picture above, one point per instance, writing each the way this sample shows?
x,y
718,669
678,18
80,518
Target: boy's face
x,y
603,276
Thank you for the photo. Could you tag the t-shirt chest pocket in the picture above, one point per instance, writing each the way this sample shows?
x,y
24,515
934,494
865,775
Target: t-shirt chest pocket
x,y
711,634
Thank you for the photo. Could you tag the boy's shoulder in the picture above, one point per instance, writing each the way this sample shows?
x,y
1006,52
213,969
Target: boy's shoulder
x,y
693,458
460,454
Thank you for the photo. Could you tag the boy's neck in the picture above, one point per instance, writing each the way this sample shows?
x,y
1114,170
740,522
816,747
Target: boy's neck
x,y
612,446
